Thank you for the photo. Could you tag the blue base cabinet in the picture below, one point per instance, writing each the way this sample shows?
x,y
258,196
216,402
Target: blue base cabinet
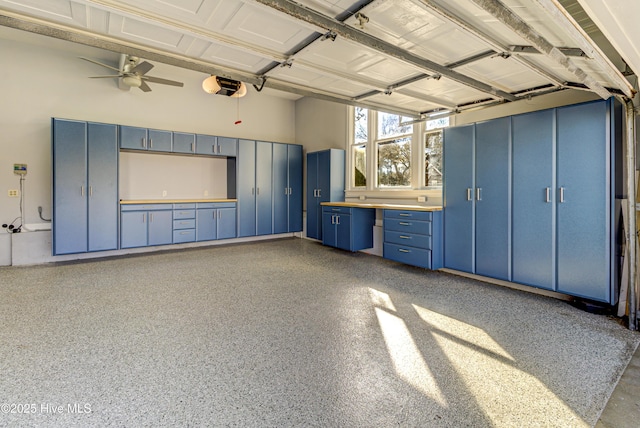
x,y
552,220
349,229
215,220
85,186
413,237
325,183
144,225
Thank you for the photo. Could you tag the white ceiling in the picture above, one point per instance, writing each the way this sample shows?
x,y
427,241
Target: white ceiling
x,y
413,57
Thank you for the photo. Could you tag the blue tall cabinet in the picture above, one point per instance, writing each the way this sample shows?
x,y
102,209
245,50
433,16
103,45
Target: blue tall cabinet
x,y
85,186
552,220
254,188
325,183
287,188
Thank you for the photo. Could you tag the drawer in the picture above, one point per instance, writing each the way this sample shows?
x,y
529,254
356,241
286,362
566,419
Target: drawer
x,y
407,226
145,207
184,206
408,239
337,210
201,205
407,255
180,236
409,214
180,214
184,224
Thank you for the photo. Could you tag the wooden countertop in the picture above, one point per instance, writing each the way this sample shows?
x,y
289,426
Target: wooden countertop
x,y
382,206
171,201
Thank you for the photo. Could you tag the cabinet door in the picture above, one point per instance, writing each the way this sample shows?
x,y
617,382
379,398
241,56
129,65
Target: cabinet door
x,y
227,146
280,189
264,199
102,164
294,153
133,229
160,227
160,141
583,182
226,223
132,137
328,229
206,224
458,198
344,238
184,143
493,198
69,187
206,144
314,215
534,199
246,190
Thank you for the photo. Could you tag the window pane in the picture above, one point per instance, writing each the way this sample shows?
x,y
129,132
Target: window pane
x,y
394,163
360,128
389,126
359,157
443,122
433,159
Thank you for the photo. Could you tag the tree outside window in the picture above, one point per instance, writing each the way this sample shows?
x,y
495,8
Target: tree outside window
x,y
394,163
359,148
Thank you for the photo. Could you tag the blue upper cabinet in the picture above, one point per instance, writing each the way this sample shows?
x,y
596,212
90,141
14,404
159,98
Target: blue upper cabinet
x,y
459,198
534,199
184,142
325,183
85,191
206,144
227,146
493,198
134,138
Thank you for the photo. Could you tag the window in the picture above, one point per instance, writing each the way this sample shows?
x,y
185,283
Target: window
x,y
394,150
359,147
388,151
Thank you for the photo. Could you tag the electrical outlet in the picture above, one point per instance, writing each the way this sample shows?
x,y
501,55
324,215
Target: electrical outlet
x,y
13,193
422,199
363,197
164,193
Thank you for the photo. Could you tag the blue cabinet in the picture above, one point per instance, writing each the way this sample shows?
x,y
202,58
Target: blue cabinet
x,y
146,224
215,220
85,187
254,187
135,138
413,237
534,199
184,223
287,188
184,142
555,178
346,228
216,146
325,183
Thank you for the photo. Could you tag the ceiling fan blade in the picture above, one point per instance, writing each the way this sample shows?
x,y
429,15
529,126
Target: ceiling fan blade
x,y
99,63
144,87
104,77
162,81
142,68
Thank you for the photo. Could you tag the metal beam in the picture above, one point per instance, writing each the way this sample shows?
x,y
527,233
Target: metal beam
x,y
486,38
349,33
503,14
566,21
531,50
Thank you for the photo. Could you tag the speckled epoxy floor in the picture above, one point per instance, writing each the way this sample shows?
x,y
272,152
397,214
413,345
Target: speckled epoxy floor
x,y
288,333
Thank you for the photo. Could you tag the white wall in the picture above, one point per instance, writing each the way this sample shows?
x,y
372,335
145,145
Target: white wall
x,y
42,78
321,124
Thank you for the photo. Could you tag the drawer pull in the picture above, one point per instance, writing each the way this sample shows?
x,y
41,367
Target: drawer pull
x,y
402,250
184,233
405,215
184,222
184,212
405,237
404,223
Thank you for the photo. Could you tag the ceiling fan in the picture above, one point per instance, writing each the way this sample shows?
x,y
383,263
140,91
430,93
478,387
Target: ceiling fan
x,y
133,73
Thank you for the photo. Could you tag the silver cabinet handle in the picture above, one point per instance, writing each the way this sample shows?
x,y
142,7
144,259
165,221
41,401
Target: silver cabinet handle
x,y
469,189
561,194
144,143
404,237
257,190
184,233
404,215
90,190
81,190
404,223
319,193
150,143
402,250
253,191
337,219
150,217
290,191
213,148
478,194
144,217
193,147
548,190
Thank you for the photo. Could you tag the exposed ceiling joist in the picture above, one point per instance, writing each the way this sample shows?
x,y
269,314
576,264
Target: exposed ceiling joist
x,y
561,17
317,19
531,50
503,14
